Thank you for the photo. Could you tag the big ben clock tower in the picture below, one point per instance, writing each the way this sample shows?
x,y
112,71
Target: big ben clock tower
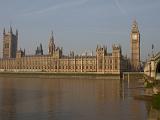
x,y
135,47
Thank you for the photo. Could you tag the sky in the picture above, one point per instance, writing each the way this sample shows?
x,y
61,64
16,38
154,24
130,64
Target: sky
x,y
79,25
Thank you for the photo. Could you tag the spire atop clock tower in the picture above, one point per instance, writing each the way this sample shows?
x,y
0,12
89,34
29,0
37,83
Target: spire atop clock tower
x,y
135,26
135,46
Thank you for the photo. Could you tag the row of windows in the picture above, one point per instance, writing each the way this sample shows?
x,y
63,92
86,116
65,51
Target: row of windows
x,y
6,45
55,67
77,62
60,67
39,61
19,63
43,64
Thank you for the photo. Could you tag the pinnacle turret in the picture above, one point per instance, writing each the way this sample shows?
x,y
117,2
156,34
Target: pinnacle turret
x,y
10,42
135,26
11,29
51,44
52,37
16,32
4,31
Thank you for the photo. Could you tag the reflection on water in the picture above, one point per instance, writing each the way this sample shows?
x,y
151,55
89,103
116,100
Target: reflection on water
x,y
153,114
69,98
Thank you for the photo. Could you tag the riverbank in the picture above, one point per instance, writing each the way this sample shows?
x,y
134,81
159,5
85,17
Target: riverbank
x,y
156,101
133,75
58,75
151,92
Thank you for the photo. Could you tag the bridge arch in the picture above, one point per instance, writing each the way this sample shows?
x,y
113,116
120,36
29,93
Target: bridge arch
x,y
158,70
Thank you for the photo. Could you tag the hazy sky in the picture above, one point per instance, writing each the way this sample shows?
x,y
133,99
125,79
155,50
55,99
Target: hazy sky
x,y
80,25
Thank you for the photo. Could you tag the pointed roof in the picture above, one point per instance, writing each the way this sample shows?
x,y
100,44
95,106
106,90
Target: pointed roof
x,y
4,31
10,29
41,46
52,38
51,41
135,26
16,32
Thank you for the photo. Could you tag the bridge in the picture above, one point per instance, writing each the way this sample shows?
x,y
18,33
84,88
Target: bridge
x,y
152,67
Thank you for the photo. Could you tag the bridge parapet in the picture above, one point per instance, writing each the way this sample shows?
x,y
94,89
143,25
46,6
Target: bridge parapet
x,y
152,67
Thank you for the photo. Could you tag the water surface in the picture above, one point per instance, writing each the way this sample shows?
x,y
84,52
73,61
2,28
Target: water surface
x,y
70,98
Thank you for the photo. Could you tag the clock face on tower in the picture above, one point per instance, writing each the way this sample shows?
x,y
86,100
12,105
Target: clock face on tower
x,y
134,36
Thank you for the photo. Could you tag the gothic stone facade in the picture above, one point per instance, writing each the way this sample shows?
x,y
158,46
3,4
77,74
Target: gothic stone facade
x,y
55,61
10,44
152,67
135,47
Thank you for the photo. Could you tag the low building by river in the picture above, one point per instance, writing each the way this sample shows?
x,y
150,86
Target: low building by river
x,y
55,61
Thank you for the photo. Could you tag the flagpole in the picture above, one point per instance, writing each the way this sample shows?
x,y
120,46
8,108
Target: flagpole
x,y
152,50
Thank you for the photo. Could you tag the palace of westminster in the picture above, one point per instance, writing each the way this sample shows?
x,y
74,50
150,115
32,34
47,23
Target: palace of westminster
x,y
55,61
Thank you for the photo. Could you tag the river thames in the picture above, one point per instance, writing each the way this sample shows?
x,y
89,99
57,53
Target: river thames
x,y
71,98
